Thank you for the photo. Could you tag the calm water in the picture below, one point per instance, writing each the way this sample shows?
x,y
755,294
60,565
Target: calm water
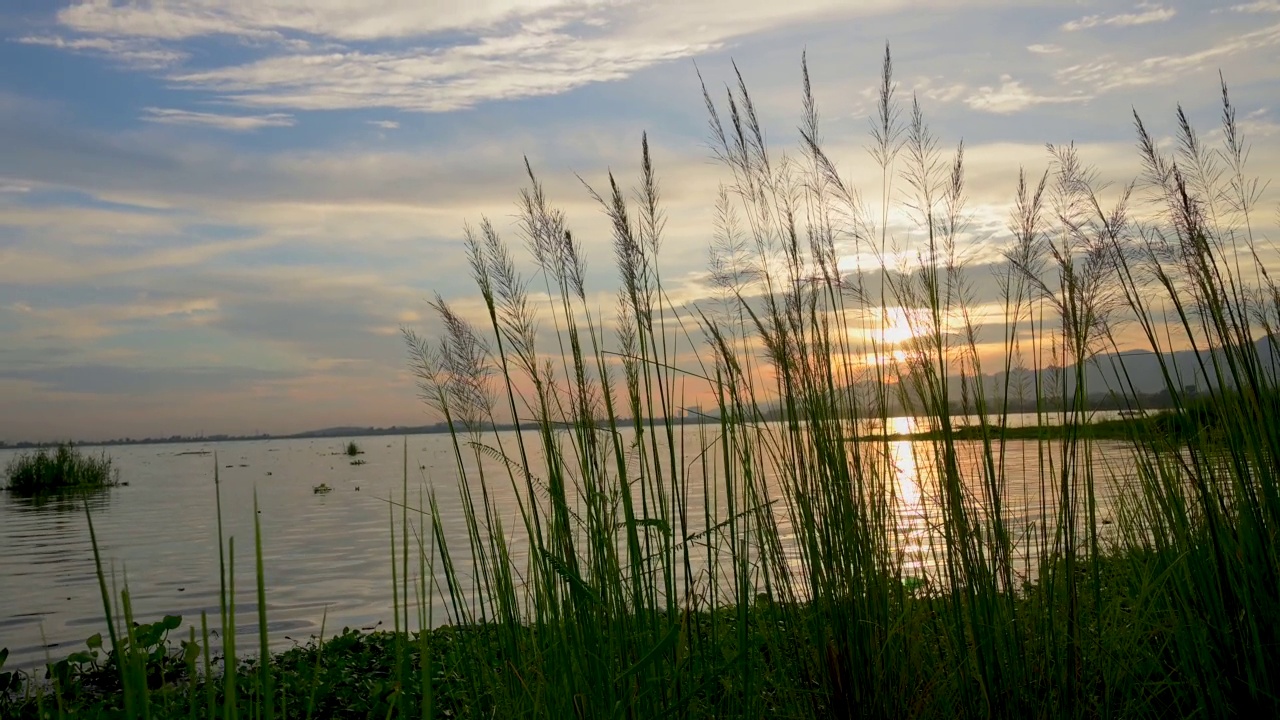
x,y
323,553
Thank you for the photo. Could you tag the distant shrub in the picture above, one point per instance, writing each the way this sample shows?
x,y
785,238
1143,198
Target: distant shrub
x,y
353,449
60,469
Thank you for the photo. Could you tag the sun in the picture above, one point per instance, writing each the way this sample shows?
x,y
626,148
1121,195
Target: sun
x,y
890,329
896,327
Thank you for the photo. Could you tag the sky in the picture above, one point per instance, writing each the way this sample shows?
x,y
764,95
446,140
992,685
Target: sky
x,y
217,215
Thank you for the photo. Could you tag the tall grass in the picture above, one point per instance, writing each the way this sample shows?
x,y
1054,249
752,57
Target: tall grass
x,y
788,587
807,567
59,470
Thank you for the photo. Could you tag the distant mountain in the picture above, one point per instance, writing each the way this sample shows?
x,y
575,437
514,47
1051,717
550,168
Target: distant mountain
x,y
1137,371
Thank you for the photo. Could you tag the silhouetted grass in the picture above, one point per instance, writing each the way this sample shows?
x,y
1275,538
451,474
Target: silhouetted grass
x,y
798,569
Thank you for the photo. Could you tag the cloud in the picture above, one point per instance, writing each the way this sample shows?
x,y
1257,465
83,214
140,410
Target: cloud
x,y
339,19
1261,6
1012,97
235,123
437,80
936,89
1044,49
1148,13
103,379
404,54
385,124
1111,74
131,52
1257,124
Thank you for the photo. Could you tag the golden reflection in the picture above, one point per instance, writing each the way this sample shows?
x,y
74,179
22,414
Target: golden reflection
x,y
904,464
912,536
902,426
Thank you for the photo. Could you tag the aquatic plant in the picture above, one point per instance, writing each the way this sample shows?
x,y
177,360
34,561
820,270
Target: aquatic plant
x,y
353,449
61,469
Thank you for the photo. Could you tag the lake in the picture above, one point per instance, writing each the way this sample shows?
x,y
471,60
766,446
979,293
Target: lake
x,y
323,553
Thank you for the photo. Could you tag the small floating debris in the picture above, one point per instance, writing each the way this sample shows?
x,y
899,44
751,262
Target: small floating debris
x,y
357,488
358,462
192,452
268,472
321,489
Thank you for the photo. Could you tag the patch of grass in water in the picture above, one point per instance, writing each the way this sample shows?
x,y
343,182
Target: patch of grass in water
x,y
63,469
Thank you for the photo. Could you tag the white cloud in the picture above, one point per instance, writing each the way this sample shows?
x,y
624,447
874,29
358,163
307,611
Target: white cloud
x,y
444,57
14,188
385,124
512,67
1261,6
1147,13
139,53
1257,124
936,89
337,19
235,123
1111,74
1044,48
1012,97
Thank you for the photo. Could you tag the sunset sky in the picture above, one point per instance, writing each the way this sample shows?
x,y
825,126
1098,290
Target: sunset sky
x,y
216,215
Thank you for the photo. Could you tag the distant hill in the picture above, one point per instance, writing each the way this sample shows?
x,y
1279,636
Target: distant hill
x,y
1137,371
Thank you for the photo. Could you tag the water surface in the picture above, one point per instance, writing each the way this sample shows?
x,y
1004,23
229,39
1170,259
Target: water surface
x,y
327,557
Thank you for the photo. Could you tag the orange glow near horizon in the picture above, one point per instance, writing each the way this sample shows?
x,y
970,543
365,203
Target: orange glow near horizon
x,y
894,328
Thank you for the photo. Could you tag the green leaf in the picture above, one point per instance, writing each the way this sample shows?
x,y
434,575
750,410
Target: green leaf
x,y
171,622
95,641
663,645
564,571
80,657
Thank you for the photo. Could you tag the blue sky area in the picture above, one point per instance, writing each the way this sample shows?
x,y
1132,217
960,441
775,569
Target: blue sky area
x,y
216,215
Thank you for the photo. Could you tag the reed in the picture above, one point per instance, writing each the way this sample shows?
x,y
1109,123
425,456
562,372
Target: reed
x,y
59,470
808,567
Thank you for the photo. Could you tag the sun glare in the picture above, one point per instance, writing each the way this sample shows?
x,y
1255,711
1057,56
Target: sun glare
x,y
892,328
896,327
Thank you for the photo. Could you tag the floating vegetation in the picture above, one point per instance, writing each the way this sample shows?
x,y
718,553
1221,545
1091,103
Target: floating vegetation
x,y
59,470
321,489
